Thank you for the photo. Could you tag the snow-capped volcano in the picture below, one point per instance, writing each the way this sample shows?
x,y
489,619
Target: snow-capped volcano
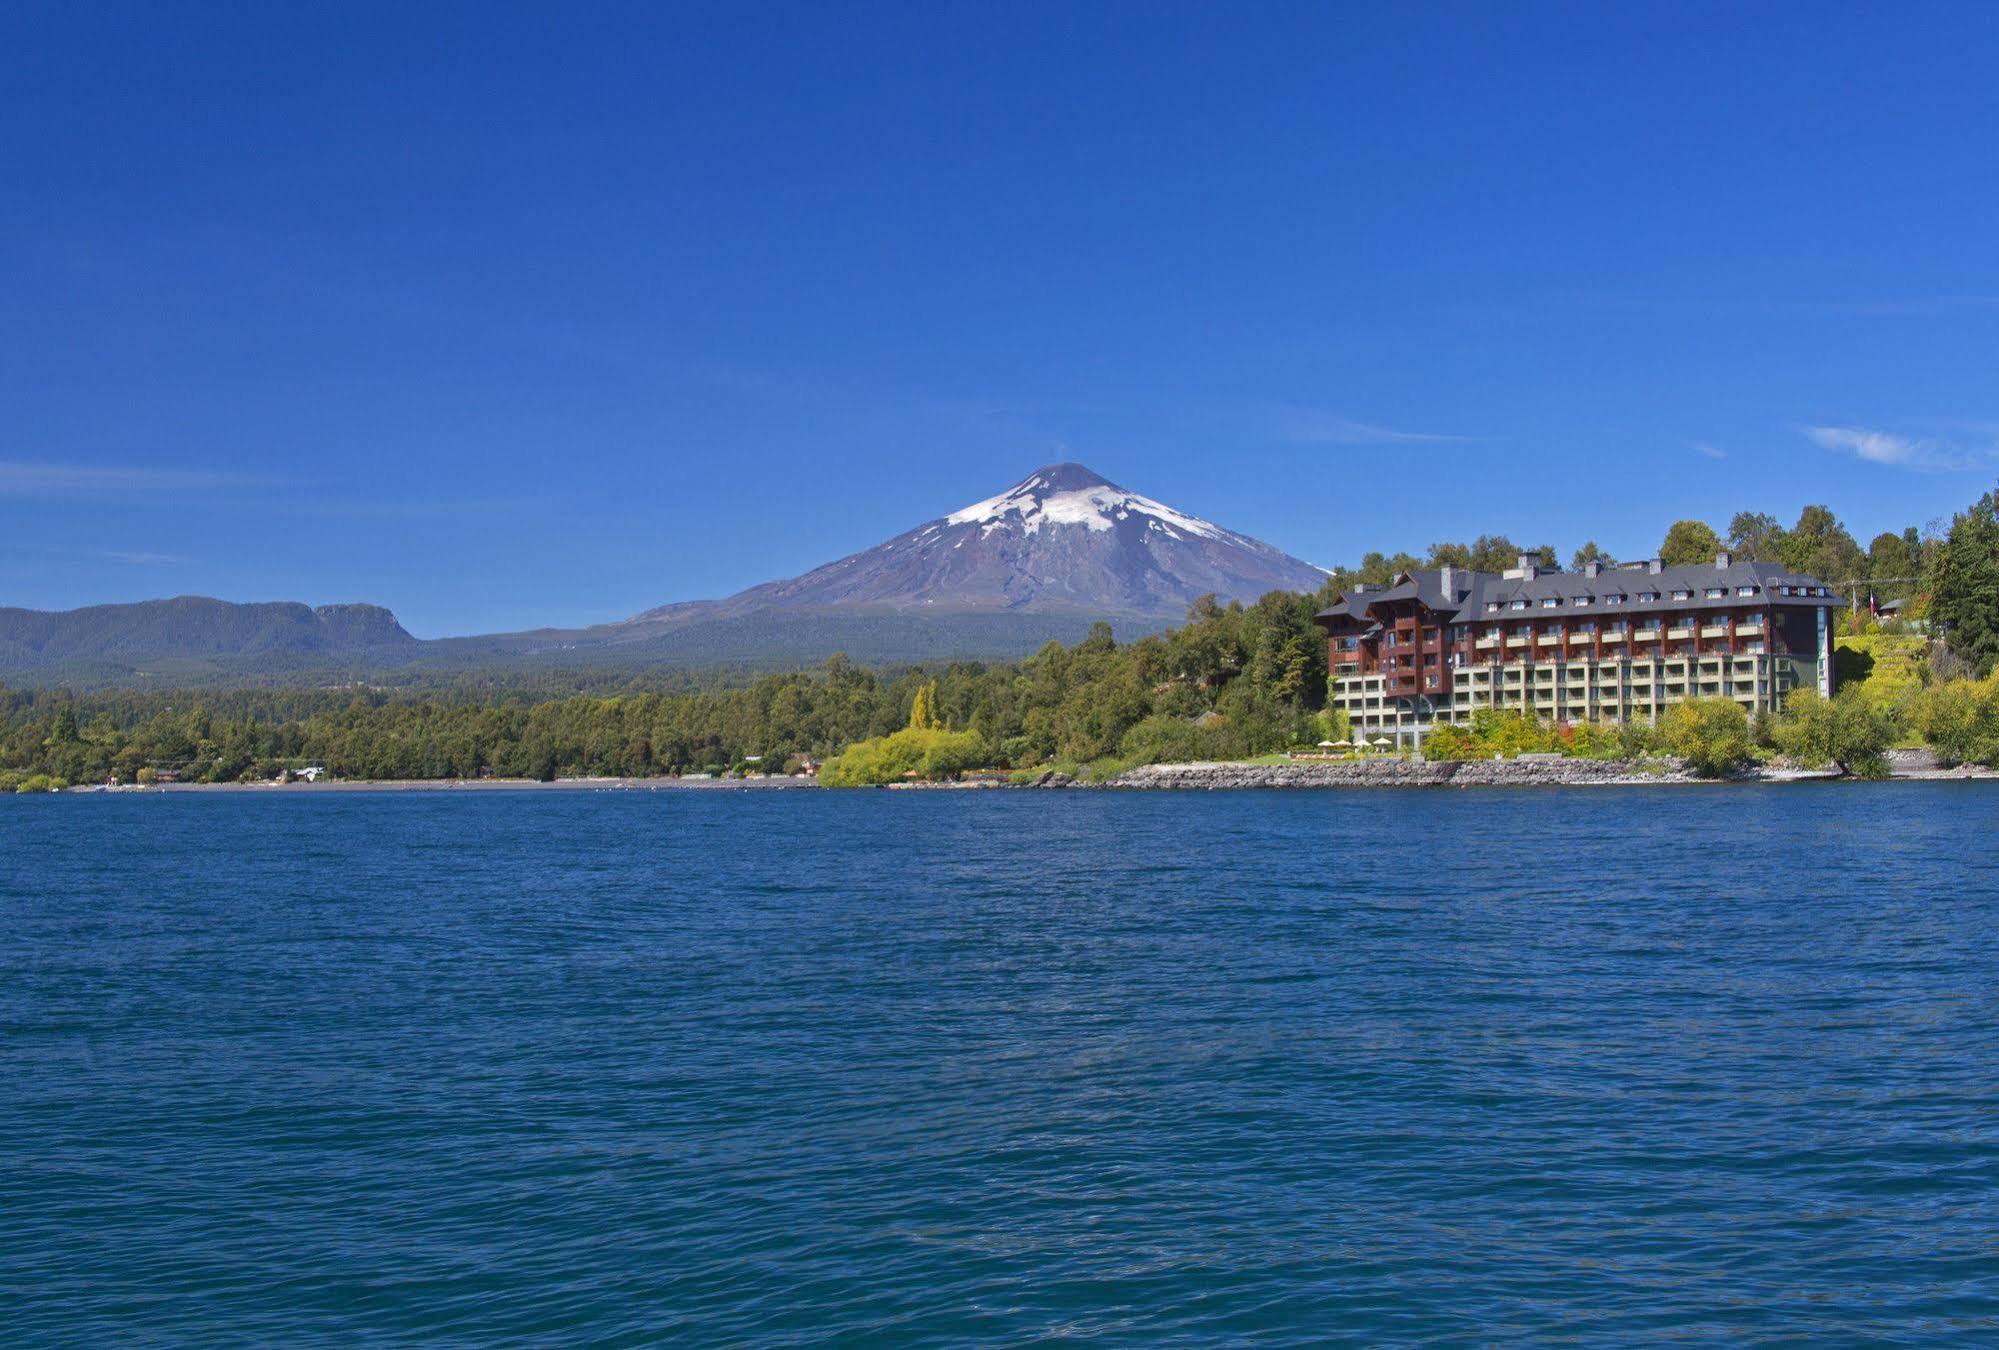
x,y
1043,560
1069,494
1064,540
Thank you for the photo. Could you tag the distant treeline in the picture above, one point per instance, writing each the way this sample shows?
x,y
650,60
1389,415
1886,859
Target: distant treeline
x,y
1261,668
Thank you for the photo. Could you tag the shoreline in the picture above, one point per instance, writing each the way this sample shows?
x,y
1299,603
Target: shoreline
x,y
1203,776
348,785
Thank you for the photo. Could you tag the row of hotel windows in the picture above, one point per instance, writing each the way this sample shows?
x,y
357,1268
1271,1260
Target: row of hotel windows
x,y
1644,597
1458,632
1459,659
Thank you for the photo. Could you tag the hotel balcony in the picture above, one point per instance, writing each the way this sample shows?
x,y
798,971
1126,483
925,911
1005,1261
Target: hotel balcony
x,y
1679,634
1613,637
1548,639
1748,629
1486,644
1516,642
1646,635
1714,630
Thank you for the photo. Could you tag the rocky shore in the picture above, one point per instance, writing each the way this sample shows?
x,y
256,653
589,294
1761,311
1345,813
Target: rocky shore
x,y
1386,772
1394,772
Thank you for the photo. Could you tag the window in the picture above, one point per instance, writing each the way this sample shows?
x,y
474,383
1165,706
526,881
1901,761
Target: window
x,y
1647,597
1745,590
1492,607
1519,604
1683,595
1783,590
1716,592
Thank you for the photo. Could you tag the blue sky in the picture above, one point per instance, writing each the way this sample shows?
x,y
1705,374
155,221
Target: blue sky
x,y
504,316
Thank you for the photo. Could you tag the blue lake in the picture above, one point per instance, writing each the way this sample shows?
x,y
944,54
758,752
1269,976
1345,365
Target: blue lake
x,y
789,1067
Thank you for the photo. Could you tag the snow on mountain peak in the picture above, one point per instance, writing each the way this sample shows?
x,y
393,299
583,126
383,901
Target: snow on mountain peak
x,y
1069,494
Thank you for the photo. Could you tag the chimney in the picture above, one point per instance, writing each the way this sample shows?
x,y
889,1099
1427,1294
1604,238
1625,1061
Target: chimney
x,y
1723,559
1448,582
1653,565
1592,568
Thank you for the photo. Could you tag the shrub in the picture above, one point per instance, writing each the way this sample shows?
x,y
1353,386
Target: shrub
x,y
1593,740
1959,720
146,776
1451,744
1508,733
41,782
924,752
1849,730
1710,734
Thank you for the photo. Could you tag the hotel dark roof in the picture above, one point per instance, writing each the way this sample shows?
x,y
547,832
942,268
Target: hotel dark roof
x,y
1634,587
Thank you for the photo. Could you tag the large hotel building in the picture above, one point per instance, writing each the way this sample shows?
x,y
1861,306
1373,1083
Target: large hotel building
x,y
1606,644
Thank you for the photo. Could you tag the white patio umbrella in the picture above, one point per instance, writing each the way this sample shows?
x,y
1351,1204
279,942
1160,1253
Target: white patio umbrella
x,y
1383,740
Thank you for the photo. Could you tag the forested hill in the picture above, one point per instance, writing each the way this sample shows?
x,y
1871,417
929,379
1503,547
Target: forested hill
x,y
192,637
196,643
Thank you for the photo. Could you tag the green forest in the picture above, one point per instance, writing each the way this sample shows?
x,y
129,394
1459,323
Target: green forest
x,y
1233,681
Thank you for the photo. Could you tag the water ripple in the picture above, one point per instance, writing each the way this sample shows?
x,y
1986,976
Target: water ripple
x,y
1008,1067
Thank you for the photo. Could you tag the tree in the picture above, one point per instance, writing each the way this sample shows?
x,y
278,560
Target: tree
x,y
920,716
1449,555
1710,734
1689,542
1378,569
1849,730
1889,559
1964,584
64,730
1819,546
1591,553
1755,537
1494,553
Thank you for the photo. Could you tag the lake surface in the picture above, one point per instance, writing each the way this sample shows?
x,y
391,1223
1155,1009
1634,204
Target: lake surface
x,y
996,1067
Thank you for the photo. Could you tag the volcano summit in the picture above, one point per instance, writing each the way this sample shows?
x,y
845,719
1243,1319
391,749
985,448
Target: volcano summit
x,y
1064,540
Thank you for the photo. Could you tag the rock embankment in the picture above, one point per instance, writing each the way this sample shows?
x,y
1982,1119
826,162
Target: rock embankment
x,y
1374,773
1923,763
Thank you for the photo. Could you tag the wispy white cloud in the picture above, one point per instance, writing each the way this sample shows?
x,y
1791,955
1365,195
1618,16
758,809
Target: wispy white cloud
x,y
1314,426
1711,451
25,478
1894,450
